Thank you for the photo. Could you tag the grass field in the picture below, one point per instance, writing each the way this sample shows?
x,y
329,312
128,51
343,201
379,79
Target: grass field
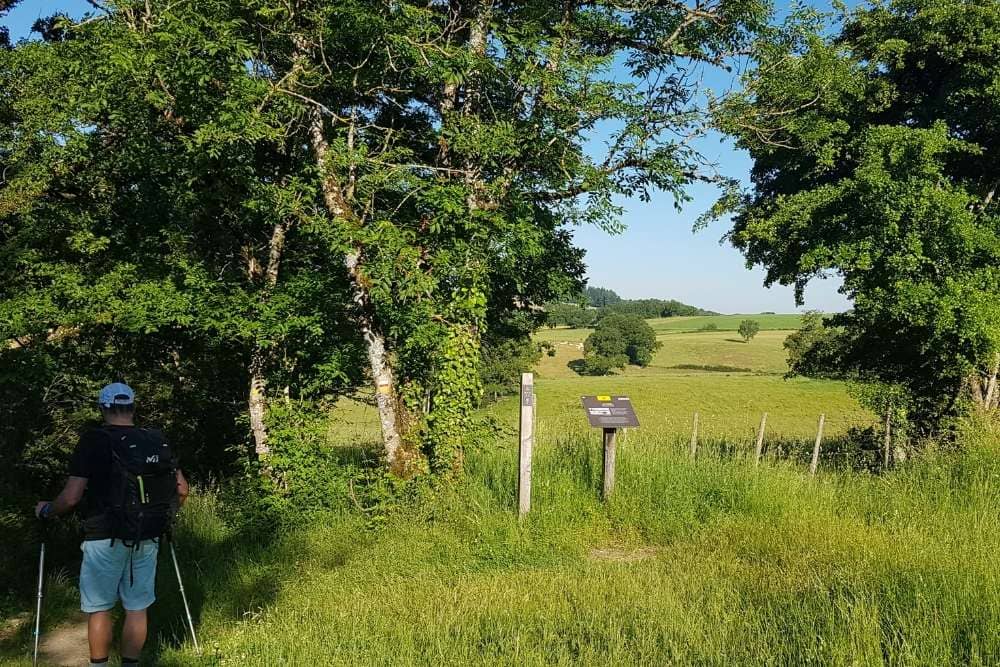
x,y
728,382
767,322
682,352
711,561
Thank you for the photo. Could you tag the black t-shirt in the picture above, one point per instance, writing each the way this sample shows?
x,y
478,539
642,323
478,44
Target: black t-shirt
x,y
92,459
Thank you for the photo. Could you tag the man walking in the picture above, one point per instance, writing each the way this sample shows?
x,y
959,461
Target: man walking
x,y
131,486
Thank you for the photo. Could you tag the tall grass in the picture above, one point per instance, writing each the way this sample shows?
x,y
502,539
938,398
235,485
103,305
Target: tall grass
x,y
710,562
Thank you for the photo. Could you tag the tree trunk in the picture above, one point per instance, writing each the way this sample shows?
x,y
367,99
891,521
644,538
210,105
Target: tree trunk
x,y
258,403
378,359
261,356
983,387
886,453
990,399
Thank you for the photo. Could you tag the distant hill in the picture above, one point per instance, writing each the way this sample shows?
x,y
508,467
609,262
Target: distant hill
x,y
601,297
596,301
649,308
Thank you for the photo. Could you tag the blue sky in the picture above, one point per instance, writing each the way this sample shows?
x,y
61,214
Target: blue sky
x,y
657,256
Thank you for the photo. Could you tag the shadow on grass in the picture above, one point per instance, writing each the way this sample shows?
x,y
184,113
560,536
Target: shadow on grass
x,y
579,366
204,564
237,570
22,539
240,572
714,368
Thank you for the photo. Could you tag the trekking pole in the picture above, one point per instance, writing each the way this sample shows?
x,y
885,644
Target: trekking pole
x,y
38,604
180,583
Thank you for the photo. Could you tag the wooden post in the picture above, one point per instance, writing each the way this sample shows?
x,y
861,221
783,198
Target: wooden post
x,y
609,461
694,436
888,439
527,438
534,413
760,439
819,441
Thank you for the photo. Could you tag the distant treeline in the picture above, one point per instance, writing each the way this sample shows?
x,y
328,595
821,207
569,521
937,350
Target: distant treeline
x,y
595,302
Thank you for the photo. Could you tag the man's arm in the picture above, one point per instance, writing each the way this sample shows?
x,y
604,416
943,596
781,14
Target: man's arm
x,y
183,489
67,499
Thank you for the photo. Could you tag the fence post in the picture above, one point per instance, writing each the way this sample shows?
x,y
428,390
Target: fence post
x,y
527,437
694,436
609,461
819,441
760,440
888,439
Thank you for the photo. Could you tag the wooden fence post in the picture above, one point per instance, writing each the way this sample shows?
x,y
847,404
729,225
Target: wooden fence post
x,y
819,441
888,439
694,436
760,440
527,437
609,461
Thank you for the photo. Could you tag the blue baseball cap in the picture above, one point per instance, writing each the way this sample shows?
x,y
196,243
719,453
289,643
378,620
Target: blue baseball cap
x,y
116,393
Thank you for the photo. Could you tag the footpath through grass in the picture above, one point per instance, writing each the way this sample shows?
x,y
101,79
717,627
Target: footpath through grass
x,y
711,562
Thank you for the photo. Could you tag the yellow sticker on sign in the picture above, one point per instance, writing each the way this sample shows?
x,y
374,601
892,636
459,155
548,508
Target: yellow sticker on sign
x,y
604,398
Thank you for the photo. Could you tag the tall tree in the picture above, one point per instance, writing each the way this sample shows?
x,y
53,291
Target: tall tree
x,y
153,227
876,157
283,168
450,136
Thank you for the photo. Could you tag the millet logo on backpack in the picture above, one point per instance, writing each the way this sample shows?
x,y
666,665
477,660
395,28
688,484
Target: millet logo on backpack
x,y
155,458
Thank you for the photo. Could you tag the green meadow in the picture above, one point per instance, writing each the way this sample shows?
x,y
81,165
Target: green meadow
x,y
705,562
710,561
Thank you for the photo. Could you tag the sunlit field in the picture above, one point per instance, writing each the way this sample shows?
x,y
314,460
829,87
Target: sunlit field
x,y
705,561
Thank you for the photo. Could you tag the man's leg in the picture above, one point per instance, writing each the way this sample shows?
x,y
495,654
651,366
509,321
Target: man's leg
x,y
99,635
133,635
100,573
136,590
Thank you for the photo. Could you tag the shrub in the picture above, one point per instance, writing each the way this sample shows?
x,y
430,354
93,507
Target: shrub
x,y
503,361
598,364
619,340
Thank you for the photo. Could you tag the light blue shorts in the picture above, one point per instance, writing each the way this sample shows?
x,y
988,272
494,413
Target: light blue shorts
x,y
110,573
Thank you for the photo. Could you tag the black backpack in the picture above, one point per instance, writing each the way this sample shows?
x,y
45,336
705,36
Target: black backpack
x,y
143,491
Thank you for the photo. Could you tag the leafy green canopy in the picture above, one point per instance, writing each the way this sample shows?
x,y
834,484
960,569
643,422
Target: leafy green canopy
x,y
748,329
652,308
598,297
207,197
619,340
876,157
138,200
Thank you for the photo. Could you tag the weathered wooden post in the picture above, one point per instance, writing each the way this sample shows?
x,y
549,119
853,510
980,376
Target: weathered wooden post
x,y
694,437
527,438
888,439
610,436
819,441
760,440
609,413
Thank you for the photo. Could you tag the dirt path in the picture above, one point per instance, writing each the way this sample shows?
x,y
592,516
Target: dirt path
x,y
65,644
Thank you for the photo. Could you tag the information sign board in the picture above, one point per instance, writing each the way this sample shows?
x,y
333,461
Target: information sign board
x,y
609,411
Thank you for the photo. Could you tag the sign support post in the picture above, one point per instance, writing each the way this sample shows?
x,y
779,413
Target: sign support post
x,y
609,413
819,441
610,435
527,440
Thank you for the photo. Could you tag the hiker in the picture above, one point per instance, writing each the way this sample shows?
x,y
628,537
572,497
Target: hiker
x,y
131,487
